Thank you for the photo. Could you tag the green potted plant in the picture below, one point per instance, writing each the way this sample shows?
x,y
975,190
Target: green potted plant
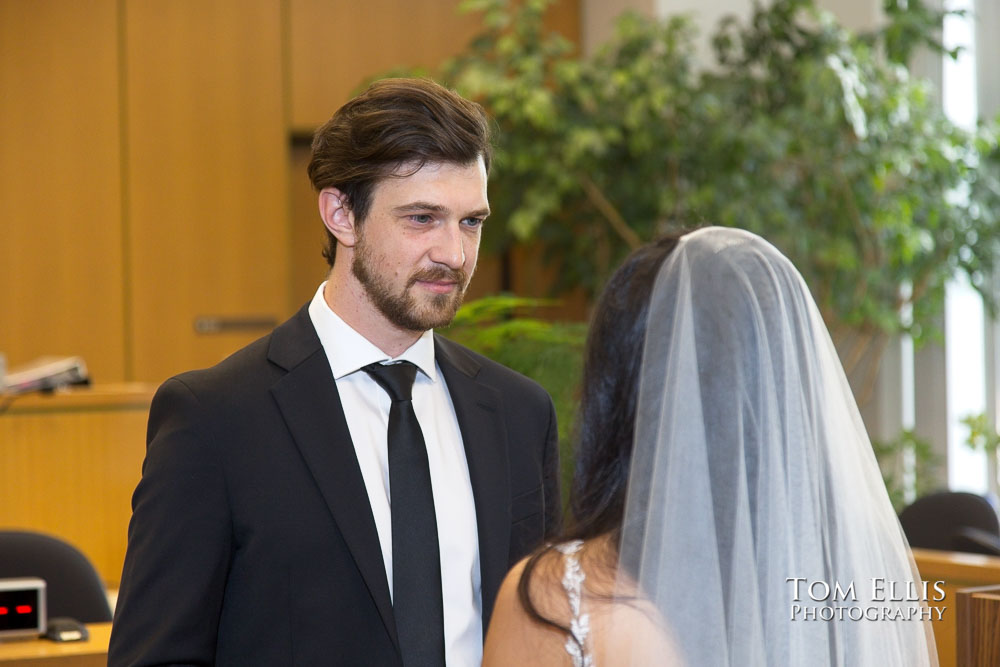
x,y
816,138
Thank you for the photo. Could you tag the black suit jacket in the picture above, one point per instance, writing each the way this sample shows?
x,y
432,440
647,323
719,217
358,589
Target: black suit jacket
x,y
252,540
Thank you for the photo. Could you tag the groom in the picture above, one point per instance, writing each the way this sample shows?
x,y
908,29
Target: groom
x,y
351,488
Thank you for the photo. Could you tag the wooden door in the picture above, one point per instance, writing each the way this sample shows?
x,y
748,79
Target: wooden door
x,y
206,175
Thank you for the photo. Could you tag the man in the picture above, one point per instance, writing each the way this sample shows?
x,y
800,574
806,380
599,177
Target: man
x,y
277,521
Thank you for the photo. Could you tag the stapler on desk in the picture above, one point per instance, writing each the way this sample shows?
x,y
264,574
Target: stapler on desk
x,y
64,629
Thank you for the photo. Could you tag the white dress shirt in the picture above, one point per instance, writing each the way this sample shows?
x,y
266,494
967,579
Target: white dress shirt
x,y
366,407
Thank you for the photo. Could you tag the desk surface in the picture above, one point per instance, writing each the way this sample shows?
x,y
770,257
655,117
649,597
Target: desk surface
x,y
39,652
126,395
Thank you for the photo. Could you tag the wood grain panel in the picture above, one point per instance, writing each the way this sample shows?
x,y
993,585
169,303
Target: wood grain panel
x,y
956,570
335,45
60,184
979,626
206,172
70,464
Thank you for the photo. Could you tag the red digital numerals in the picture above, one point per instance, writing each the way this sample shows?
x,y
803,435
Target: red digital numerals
x,y
19,609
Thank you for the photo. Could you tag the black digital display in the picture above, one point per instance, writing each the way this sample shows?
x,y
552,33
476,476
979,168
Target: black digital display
x,y
18,610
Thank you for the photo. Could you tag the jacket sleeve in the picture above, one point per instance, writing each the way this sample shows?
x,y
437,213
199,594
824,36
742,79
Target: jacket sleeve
x,y
552,481
179,542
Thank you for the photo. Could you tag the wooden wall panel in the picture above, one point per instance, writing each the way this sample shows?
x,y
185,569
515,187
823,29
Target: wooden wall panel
x,y
335,45
206,172
60,185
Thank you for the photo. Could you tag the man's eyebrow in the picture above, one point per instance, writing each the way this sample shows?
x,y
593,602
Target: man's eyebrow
x,y
420,206
436,208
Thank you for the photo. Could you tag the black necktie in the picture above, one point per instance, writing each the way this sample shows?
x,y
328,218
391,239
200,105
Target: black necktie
x,y
416,559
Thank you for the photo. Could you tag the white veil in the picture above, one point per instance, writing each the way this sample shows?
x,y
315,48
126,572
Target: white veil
x,y
752,467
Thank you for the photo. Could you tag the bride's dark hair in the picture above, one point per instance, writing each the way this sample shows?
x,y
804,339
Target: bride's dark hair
x,y
606,420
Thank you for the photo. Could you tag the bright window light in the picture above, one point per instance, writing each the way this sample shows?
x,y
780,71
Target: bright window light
x,y
964,317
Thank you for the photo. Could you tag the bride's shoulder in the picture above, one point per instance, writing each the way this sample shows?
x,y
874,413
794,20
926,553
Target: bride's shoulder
x,y
517,634
535,613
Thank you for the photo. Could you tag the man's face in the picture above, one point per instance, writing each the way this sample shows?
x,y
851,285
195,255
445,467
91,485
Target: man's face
x,y
417,249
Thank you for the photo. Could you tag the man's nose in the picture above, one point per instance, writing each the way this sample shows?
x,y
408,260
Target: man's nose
x,y
449,246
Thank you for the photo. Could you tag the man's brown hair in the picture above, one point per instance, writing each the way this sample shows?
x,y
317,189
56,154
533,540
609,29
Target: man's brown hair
x,y
395,122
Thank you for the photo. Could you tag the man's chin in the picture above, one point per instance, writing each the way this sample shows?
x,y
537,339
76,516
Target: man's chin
x,y
439,310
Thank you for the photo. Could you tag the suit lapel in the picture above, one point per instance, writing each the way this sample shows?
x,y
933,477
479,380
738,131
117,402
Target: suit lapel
x,y
308,399
477,407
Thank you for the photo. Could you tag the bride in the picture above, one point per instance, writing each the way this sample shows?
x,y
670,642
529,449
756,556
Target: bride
x,y
727,507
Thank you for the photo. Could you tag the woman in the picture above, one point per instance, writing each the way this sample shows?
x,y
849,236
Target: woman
x,y
726,499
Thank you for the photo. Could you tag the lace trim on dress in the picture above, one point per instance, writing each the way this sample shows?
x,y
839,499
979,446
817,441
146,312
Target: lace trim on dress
x,y
579,624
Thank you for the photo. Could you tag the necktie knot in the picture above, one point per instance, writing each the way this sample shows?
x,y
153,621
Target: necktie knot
x,y
396,379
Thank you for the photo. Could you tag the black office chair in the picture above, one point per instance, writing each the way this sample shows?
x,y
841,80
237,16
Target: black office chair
x,y
952,521
73,587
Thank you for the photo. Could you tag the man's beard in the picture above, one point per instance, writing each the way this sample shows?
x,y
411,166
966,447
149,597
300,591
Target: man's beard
x,y
403,309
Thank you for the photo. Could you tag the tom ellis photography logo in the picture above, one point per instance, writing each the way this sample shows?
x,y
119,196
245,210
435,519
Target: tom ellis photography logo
x,y
875,599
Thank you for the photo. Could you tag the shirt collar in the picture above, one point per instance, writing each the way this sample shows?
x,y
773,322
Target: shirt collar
x,y
348,351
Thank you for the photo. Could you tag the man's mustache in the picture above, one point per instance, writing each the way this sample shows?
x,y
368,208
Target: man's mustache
x,y
439,274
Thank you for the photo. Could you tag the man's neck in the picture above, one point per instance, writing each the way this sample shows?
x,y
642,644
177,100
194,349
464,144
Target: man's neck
x,y
348,299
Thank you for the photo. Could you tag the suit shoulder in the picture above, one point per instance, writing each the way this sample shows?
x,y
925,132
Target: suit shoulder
x,y
488,370
257,365
237,369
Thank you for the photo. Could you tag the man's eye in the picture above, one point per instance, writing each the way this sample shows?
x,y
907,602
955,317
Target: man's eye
x,y
473,222
421,218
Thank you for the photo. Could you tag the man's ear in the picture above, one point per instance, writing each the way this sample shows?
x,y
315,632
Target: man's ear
x,y
337,216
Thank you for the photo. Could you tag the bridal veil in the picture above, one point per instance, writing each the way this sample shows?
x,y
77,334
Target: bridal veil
x,y
756,518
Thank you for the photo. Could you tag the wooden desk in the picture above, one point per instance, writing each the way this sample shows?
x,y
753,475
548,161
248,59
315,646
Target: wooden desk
x,y
45,653
979,626
956,570
69,462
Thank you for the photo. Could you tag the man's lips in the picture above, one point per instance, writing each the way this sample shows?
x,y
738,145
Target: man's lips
x,y
438,286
